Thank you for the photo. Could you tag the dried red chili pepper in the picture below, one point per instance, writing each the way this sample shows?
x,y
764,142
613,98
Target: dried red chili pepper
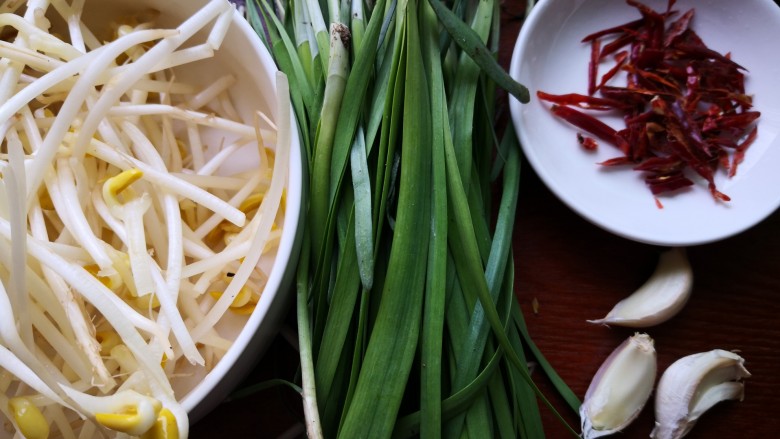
x,y
684,105
620,60
585,122
739,155
617,161
616,45
582,101
678,27
614,30
595,50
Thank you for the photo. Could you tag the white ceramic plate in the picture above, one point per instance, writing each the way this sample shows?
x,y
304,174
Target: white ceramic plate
x,y
549,56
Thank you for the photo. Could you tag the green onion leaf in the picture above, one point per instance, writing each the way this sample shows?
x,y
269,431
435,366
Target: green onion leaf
x,y
470,43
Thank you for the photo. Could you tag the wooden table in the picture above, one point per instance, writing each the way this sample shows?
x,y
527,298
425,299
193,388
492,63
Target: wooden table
x,y
576,271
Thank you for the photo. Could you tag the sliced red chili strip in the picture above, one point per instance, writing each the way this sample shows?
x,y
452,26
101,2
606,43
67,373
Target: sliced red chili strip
x,y
650,59
641,144
623,142
664,165
640,96
582,101
722,142
667,183
718,195
643,117
617,161
690,126
655,80
723,159
684,105
616,45
620,59
593,66
740,120
614,30
678,27
703,52
739,155
679,130
653,22
585,122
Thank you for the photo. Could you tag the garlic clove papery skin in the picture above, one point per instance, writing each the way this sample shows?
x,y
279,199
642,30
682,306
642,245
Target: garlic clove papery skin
x,y
691,386
661,297
620,388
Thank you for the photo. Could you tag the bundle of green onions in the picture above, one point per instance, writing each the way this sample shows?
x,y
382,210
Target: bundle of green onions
x,y
408,323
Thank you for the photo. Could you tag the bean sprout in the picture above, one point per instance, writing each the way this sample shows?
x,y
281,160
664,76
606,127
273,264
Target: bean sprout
x,y
125,240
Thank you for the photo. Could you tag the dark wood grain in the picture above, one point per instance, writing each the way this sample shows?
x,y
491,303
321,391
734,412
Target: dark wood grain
x,y
576,272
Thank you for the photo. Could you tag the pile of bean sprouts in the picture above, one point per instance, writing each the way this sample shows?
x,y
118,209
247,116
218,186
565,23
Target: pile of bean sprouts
x,y
124,237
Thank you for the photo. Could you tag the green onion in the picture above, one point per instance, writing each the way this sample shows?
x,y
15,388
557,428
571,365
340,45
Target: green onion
x,y
408,320
395,334
363,227
338,68
436,287
469,41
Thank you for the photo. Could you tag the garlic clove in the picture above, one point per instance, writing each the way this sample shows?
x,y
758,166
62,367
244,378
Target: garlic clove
x,y
620,388
691,386
662,296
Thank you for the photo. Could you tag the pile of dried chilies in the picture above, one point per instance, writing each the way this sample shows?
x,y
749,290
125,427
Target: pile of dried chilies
x,y
408,323
684,104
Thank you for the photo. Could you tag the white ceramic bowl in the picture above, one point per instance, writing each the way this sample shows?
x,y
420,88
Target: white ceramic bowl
x,y
242,54
549,56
